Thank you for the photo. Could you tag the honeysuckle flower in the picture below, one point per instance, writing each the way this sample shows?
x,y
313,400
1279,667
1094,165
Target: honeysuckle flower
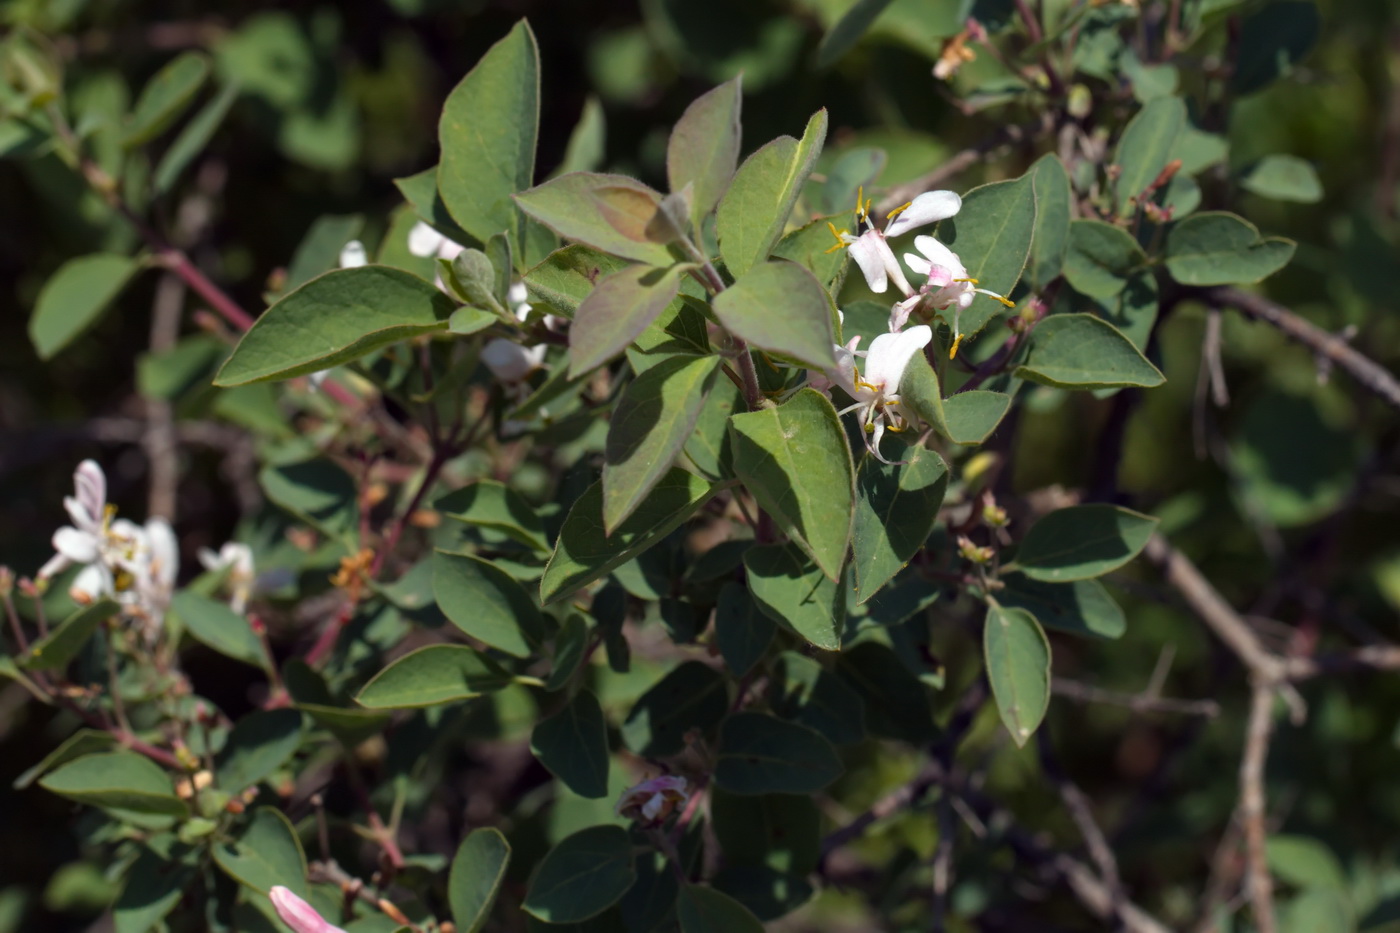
x,y
654,800
424,241
353,255
81,542
870,248
509,361
947,285
876,390
237,560
299,915
518,297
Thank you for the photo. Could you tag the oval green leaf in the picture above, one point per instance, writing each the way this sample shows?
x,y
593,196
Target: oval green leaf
x,y
487,603
123,780
761,754
433,675
333,319
780,307
616,313
259,744
1052,220
165,97
896,508
56,649
992,235
1082,542
704,147
74,298
1018,667
693,696
573,745
705,910
793,591
216,626
1101,258
1145,148
478,871
1081,351
606,212
267,853
1219,248
582,876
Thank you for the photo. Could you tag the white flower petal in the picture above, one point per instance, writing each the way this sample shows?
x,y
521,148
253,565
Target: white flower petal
x,y
917,263
78,546
353,255
927,208
91,485
866,252
165,552
92,582
940,255
890,355
509,361
424,241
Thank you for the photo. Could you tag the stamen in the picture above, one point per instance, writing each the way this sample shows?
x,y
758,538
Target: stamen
x,y
968,279
862,384
1006,301
957,341
862,210
840,243
898,210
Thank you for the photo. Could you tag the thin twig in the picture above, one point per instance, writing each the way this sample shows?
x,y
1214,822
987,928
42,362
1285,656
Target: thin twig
x,y
1080,811
1327,346
1136,702
1252,806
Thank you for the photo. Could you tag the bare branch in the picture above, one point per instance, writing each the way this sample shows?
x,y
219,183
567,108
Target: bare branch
x,y
1327,346
1136,702
1077,804
1252,807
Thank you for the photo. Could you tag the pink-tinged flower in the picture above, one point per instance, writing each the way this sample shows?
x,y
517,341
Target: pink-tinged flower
x,y
81,542
876,391
655,800
870,248
298,914
948,286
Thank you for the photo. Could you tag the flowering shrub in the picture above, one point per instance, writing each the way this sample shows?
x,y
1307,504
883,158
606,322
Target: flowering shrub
x,y
595,577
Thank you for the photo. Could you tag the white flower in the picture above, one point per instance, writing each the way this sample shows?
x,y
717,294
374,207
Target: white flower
x,y
654,800
299,915
509,361
870,249
518,297
948,286
424,241
81,543
353,255
237,560
876,391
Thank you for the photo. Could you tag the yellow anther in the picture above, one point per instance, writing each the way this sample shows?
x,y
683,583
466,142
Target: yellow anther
x,y
861,211
840,243
862,384
972,280
898,210
957,342
1006,301
896,428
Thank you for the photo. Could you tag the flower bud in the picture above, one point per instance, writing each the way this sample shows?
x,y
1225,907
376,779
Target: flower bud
x,y
298,914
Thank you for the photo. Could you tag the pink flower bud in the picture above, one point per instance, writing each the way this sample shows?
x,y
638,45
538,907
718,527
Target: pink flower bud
x,y
298,914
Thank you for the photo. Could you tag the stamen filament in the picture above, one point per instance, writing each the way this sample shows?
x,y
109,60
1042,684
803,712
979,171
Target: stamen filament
x,y
898,210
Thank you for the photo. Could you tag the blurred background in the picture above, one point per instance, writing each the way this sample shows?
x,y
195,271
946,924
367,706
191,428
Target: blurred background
x,y
1288,497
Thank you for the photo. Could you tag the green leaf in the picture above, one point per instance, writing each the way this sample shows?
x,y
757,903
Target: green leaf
x,y
1081,607
478,871
350,724
972,416
704,147
780,307
1272,41
588,142
992,235
1305,863
1145,148
433,675
123,780
1052,223
1082,542
896,703
573,745
693,696
75,297
319,250
1133,310
1018,667
62,644
612,213
421,193
705,910
617,311
488,129
778,831
333,319
259,744
896,509
795,460
742,631
267,853
794,591
810,247
582,876
805,692
1080,351
80,743
651,423
761,754
769,894
585,552
846,32
1219,248
1283,178
489,504
192,140
709,446
154,884
165,97
216,626
1101,258
754,211
567,276
318,492
488,604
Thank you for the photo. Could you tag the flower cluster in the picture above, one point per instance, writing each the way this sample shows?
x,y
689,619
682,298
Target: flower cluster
x,y
655,800
132,563
946,284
